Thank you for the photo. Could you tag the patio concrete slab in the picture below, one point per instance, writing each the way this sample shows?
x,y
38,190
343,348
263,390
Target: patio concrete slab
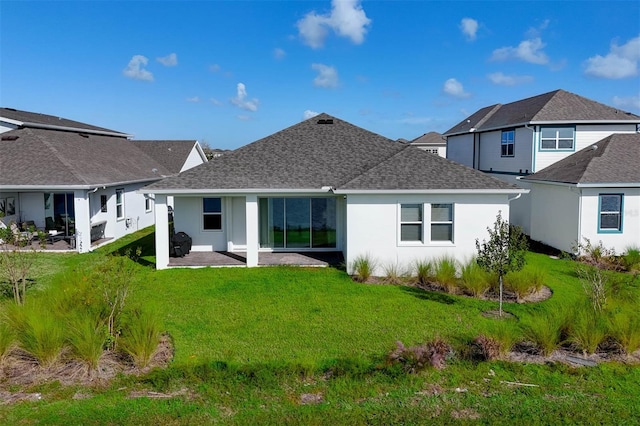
x,y
223,258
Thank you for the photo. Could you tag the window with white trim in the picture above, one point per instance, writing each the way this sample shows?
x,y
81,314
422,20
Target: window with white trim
x,y
507,143
411,222
147,205
212,214
120,203
442,222
610,219
557,138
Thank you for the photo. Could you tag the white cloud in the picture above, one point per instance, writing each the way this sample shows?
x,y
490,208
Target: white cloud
x,y
215,102
454,88
171,60
347,19
630,102
309,114
528,51
241,100
135,69
279,53
469,28
509,80
620,62
194,99
243,117
327,76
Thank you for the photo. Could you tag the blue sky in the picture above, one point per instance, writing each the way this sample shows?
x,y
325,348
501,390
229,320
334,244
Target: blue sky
x,y
232,72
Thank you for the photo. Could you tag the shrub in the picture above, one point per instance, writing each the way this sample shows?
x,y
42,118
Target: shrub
x,y
140,337
524,282
38,332
596,255
474,279
446,274
416,358
631,259
594,282
505,333
424,271
363,267
393,274
545,331
624,328
87,337
487,347
586,329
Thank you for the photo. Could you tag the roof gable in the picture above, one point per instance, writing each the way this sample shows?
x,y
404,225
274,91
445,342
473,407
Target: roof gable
x,y
614,159
559,105
431,138
172,154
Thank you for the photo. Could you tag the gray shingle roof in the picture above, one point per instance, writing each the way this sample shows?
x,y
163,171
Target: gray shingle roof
x,y
431,138
558,105
42,157
172,154
49,120
309,156
614,159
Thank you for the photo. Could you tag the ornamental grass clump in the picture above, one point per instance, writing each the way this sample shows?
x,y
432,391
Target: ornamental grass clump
x,y
393,273
631,259
473,279
586,329
363,267
424,271
7,340
446,273
140,336
419,357
545,330
87,338
624,328
524,283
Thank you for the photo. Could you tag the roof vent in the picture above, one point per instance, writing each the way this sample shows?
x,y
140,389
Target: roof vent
x,y
11,109
10,137
325,121
84,135
594,147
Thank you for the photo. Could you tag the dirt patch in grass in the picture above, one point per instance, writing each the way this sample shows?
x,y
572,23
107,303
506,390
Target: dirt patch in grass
x,y
526,353
20,368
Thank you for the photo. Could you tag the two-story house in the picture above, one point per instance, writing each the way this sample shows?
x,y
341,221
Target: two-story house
x,y
523,137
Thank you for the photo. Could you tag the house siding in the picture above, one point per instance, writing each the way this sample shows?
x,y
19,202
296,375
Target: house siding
x,y
585,135
194,159
490,152
460,149
189,221
555,215
373,227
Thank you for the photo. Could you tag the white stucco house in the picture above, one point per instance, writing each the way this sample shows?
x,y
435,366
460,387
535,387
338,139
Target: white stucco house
x,y
594,194
523,137
78,179
432,142
325,185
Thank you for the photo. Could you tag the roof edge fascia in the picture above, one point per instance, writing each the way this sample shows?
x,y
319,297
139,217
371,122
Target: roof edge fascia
x,y
74,129
232,191
542,123
12,121
585,185
71,187
429,191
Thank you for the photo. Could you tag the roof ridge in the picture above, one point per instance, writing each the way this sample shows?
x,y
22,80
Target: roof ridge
x,y
488,115
58,155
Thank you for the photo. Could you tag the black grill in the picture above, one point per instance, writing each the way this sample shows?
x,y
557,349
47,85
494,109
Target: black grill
x,y
181,244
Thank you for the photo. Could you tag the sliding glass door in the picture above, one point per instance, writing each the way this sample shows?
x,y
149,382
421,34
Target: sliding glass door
x,y
297,223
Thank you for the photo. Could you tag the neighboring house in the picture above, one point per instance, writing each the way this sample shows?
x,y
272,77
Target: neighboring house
x,y
175,155
432,142
76,178
594,194
525,136
325,185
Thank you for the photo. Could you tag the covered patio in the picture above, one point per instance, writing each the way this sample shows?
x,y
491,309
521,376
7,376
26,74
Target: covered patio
x,y
225,258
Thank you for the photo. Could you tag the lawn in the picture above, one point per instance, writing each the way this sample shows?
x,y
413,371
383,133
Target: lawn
x,y
287,345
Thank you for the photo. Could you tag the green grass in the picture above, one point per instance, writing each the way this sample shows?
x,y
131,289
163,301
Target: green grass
x,y
249,343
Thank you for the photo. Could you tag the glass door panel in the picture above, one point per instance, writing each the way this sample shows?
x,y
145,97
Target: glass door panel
x,y
323,222
297,217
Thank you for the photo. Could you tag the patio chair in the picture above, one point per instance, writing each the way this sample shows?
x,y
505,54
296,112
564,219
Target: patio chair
x,y
21,236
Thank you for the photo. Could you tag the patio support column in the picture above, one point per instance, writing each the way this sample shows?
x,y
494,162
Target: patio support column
x,y
252,230
162,231
82,220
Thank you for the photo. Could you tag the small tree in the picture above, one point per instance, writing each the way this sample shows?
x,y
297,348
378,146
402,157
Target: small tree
x,y
504,252
17,256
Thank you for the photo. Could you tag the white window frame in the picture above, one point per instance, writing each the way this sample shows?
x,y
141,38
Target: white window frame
x,y
147,205
426,223
618,213
212,214
414,222
508,143
120,214
556,139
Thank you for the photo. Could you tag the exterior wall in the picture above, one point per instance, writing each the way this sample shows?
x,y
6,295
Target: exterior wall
x,y
237,223
460,149
441,150
135,215
32,208
373,227
490,152
194,159
555,218
188,219
585,135
630,235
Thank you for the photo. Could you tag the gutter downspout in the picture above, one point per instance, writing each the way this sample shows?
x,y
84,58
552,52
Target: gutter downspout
x,y
533,148
579,238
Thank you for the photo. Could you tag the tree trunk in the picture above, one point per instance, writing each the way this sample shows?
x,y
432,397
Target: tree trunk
x,y
500,280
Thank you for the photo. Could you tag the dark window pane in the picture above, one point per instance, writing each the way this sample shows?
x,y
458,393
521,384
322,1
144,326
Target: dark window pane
x,y
411,213
411,232
441,212
211,205
565,143
548,144
323,222
565,133
103,203
441,232
298,222
610,221
610,203
548,132
213,221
